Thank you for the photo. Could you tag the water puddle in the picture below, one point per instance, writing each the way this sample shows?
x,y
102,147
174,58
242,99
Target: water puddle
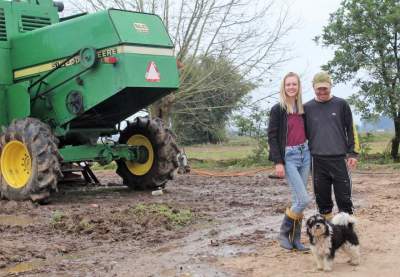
x,y
12,220
28,266
25,267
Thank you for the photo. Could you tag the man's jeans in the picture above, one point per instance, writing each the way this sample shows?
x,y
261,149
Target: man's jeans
x,y
297,169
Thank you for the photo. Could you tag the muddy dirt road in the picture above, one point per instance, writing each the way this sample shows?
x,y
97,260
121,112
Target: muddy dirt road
x,y
200,226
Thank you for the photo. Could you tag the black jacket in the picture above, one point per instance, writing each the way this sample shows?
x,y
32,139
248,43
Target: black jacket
x,y
277,134
330,128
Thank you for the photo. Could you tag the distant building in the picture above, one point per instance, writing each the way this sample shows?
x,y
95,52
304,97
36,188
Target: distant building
x,y
383,124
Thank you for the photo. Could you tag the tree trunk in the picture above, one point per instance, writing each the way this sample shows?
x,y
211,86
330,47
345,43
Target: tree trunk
x,y
396,139
162,108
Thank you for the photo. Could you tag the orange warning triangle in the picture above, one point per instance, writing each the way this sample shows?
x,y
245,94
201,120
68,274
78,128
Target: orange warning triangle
x,y
152,73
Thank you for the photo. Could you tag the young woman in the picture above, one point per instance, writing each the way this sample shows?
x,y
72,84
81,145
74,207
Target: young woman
x,y
289,151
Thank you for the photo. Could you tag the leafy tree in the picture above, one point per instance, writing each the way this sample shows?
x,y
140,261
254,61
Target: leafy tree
x,y
201,117
254,124
244,124
365,34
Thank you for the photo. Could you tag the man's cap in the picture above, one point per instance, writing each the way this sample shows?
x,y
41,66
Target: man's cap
x,y
322,79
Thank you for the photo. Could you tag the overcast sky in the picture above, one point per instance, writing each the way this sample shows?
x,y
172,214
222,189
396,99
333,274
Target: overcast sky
x,y
312,15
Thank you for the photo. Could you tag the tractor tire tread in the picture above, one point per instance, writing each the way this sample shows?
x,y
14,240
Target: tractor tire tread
x,y
165,154
42,146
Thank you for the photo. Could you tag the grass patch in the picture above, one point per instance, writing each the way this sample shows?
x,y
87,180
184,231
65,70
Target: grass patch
x,y
162,213
110,166
375,143
237,148
376,167
56,217
72,224
219,152
215,164
238,153
84,226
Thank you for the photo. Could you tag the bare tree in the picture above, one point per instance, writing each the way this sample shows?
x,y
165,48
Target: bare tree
x,y
249,33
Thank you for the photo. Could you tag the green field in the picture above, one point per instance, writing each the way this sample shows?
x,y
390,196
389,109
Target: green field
x,y
236,148
376,142
233,154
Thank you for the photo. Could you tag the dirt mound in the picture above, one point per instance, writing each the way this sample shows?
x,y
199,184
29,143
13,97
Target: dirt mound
x,y
134,222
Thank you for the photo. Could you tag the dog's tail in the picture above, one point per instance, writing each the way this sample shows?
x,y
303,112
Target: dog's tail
x,y
343,219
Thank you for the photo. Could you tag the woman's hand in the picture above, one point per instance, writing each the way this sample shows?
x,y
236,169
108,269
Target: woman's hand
x,y
280,170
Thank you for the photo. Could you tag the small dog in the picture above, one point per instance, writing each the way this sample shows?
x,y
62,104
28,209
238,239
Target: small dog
x,y
327,237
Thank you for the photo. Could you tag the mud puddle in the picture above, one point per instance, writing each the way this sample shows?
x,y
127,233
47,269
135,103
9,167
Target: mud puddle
x,y
23,267
13,220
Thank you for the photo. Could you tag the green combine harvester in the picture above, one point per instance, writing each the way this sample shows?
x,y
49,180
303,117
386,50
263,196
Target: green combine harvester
x,y
66,83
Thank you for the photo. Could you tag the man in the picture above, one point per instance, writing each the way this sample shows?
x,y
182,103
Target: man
x,y
329,127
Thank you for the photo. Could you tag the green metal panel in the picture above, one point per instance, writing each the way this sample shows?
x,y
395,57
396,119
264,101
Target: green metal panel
x,y
104,81
23,13
28,16
63,39
5,24
14,103
6,77
5,63
3,107
139,28
17,17
166,66
102,153
95,30
18,101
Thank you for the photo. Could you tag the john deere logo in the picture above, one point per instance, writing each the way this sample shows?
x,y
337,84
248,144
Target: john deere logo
x,y
141,27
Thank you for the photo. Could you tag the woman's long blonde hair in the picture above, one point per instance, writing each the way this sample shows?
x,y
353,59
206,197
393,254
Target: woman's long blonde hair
x,y
284,100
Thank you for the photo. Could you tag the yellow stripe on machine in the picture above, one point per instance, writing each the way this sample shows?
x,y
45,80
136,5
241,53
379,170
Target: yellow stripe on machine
x,y
32,70
106,52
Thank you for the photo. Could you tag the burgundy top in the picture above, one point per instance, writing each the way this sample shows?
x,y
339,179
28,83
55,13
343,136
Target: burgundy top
x,y
296,134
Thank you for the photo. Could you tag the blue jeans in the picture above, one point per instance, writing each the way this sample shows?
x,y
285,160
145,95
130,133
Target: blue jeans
x,y
297,169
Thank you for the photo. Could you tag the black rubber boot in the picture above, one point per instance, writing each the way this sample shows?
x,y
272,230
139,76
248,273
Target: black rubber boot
x,y
297,235
284,234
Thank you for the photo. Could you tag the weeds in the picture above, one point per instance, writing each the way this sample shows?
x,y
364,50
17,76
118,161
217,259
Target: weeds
x,y
365,147
84,226
110,166
162,213
56,217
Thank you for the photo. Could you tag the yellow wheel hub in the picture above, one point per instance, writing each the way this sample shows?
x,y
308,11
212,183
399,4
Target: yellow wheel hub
x,y
16,164
141,168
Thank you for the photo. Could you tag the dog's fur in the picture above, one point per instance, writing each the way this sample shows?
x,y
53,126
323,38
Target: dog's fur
x,y
327,237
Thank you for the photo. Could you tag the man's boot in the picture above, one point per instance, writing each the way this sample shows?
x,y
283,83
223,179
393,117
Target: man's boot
x,y
297,235
328,216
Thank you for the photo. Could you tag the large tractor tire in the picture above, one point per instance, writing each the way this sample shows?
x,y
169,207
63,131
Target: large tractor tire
x,y
30,161
162,162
